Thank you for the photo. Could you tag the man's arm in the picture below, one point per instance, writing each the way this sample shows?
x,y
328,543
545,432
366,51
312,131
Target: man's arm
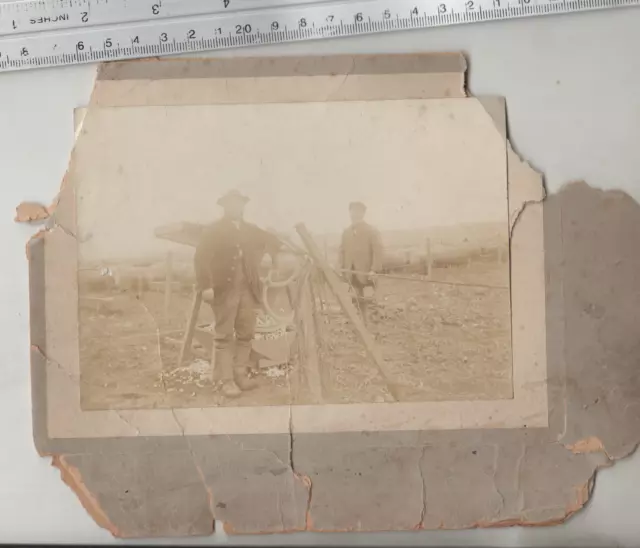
x,y
202,260
272,244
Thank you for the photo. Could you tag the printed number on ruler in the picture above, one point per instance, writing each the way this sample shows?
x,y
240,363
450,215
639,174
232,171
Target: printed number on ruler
x,y
55,32
41,15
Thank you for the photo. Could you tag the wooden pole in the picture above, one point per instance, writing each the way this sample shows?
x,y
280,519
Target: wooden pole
x,y
319,333
168,283
311,362
428,258
296,376
139,285
185,350
347,306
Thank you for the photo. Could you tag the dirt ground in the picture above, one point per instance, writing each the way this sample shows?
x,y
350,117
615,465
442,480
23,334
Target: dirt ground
x,y
440,342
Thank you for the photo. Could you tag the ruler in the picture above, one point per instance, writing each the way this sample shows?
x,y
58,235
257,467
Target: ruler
x,y
44,33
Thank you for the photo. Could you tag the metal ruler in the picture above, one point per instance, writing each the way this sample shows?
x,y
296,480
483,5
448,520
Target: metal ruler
x,y
42,33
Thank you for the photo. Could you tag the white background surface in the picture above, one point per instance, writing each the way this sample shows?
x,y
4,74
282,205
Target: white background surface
x,y
572,85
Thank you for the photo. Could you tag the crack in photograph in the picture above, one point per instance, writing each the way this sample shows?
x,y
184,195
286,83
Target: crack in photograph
x,y
292,253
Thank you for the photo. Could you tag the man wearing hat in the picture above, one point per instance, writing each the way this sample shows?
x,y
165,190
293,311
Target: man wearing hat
x,y
227,265
360,254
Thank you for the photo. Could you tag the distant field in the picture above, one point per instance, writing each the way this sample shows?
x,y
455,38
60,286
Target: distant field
x,y
405,250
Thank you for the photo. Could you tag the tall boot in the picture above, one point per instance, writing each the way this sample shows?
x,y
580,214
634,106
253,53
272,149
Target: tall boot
x,y
224,372
242,379
241,369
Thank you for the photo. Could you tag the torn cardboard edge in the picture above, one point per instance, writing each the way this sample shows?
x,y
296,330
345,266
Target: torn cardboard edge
x,y
31,212
587,453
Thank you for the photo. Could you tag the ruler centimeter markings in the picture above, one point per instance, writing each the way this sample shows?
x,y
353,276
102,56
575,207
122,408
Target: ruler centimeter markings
x,y
38,15
42,33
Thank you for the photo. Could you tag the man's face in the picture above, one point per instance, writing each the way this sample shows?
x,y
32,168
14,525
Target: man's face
x,y
356,214
234,209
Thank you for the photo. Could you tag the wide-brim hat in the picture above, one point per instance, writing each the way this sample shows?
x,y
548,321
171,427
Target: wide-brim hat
x,y
232,195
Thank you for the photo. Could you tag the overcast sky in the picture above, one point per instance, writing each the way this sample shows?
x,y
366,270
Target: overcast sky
x,y
416,164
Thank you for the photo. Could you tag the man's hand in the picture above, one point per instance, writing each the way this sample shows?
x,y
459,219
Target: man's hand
x,y
207,295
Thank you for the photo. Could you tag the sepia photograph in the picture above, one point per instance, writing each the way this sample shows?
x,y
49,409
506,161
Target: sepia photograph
x,y
293,254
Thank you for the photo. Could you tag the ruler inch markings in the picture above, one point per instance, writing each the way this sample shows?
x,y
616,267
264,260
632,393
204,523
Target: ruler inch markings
x,y
45,33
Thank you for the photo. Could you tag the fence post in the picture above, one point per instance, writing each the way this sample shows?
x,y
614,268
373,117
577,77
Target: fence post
x,y
168,284
428,261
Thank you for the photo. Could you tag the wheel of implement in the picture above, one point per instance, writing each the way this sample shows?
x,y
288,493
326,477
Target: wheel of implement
x,y
269,282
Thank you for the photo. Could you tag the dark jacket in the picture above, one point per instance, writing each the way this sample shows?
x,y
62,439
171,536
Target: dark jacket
x,y
361,250
218,254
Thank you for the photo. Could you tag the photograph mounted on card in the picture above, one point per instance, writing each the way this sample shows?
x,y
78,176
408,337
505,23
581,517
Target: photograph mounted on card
x,y
340,262
344,245
276,254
